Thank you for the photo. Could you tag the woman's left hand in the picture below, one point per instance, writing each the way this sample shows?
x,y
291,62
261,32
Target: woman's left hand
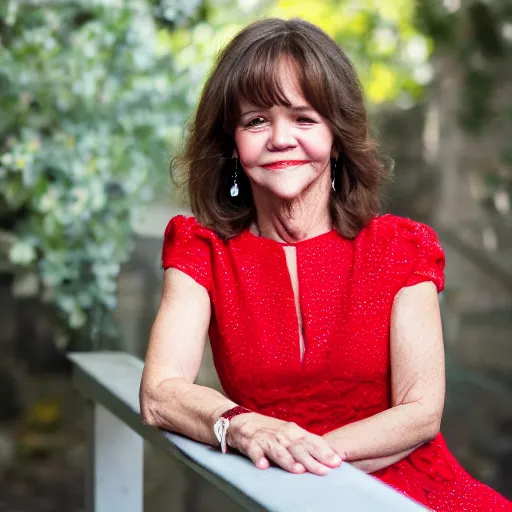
x,y
264,439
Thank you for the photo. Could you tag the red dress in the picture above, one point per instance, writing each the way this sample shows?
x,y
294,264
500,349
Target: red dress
x,y
346,294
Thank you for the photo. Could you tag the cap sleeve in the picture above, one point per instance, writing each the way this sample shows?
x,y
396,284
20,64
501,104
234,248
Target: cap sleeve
x,y
187,247
423,248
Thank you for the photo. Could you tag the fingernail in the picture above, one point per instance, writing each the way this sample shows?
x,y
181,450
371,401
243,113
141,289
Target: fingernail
x,y
262,464
299,468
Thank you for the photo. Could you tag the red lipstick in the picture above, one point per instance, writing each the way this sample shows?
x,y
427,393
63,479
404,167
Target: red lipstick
x,y
283,164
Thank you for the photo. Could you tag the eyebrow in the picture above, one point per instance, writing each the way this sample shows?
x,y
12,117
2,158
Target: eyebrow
x,y
298,108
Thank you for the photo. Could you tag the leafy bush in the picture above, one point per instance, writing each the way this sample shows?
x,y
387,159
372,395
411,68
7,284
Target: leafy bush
x,y
91,105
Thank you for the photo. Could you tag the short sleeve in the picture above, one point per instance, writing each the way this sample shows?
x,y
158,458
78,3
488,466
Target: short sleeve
x,y
426,255
187,246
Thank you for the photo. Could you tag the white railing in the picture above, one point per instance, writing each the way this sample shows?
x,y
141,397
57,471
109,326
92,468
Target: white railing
x,y
109,381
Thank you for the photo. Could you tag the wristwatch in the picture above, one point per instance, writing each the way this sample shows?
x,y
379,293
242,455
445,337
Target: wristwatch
x,y
222,424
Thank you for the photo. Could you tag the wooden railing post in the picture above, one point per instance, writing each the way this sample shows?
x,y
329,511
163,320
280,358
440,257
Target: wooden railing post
x,y
115,471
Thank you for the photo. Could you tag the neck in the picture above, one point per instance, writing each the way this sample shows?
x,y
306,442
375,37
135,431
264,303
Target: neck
x,y
302,218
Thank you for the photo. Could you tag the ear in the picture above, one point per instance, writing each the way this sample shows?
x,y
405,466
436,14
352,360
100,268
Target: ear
x,y
235,153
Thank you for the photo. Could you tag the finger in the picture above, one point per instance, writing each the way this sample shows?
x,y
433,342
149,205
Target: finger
x,y
317,446
263,463
257,455
283,458
323,453
300,453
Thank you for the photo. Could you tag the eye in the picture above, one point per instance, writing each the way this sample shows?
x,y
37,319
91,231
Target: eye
x,y
257,121
304,119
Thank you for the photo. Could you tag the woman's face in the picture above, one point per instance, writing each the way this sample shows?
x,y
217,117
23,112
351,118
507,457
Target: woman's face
x,y
284,150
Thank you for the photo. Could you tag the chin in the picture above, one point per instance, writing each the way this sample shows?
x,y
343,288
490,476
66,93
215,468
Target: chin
x,y
287,191
286,185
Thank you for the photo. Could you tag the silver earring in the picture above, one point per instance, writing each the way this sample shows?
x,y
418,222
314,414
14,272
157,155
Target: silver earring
x,y
333,174
234,189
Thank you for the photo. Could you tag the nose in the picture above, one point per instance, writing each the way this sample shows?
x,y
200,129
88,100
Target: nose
x,y
281,136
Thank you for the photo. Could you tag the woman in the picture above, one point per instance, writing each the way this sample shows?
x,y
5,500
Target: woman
x,y
323,316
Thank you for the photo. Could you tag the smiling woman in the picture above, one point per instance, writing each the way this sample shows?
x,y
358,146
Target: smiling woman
x,y
322,314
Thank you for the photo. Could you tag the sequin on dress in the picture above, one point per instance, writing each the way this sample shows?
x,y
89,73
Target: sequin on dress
x,y
347,289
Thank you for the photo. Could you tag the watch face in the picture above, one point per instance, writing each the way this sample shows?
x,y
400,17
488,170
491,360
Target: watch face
x,y
220,428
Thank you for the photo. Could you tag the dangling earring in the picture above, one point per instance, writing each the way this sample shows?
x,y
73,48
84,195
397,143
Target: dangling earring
x,y
336,162
234,189
333,173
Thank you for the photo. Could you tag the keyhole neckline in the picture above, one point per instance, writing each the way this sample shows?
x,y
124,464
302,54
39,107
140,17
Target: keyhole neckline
x,y
318,238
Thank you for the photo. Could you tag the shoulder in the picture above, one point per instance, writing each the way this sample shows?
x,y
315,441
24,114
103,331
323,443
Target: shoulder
x,y
189,247
388,230
410,248
187,228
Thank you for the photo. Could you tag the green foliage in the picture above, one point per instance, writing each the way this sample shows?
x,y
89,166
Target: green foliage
x,y
433,19
389,52
477,95
474,34
91,106
485,29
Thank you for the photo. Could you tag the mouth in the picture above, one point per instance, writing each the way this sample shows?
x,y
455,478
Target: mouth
x,y
284,164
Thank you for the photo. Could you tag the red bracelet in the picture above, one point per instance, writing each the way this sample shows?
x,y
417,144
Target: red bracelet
x,y
234,411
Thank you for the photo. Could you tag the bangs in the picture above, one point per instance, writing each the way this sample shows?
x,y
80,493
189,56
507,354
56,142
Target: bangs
x,y
257,79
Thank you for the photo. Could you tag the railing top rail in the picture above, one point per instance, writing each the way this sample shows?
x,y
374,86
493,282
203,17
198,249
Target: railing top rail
x,y
112,379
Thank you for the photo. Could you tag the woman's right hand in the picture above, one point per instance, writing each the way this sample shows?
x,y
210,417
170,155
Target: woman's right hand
x,y
264,439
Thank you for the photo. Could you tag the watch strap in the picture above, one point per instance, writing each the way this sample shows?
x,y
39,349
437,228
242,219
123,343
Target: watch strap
x,y
234,411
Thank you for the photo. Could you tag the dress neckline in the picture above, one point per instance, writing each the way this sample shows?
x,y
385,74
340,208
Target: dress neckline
x,y
307,241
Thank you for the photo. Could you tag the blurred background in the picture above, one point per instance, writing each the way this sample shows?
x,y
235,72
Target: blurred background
x,y
94,99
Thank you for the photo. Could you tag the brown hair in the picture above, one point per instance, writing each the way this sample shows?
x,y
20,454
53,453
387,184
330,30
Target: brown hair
x,y
248,68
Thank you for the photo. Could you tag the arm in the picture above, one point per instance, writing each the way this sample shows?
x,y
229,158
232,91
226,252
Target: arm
x,y
168,397
417,386
375,464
